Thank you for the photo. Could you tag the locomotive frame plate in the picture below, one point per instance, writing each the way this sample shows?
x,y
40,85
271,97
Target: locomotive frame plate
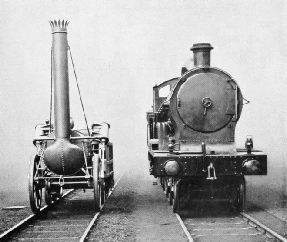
x,y
197,164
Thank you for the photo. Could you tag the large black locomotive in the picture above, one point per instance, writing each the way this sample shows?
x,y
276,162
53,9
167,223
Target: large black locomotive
x,y
191,136
68,155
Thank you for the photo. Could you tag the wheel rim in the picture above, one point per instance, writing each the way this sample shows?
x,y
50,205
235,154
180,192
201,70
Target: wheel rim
x,y
48,195
171,195
37,195
97,185
103,194
240,196
162,183
112,184
176,198
166,187
35,187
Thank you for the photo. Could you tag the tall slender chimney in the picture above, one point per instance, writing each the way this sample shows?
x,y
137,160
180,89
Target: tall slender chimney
x,y
61,78
201,54
62,157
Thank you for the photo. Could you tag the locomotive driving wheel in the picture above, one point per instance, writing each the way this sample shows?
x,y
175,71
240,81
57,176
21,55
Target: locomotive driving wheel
x,y
112,183
176,197
97,185
104,192
35,186
239,203
172,191
170,196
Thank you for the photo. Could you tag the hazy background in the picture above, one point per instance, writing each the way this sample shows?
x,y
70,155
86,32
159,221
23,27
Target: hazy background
x,y
121,49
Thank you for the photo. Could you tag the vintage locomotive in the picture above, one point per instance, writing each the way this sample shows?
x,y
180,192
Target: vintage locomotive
x,y
191,136
68,157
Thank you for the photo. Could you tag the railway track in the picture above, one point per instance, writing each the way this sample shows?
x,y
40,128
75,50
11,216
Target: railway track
x,y
231,227
70,219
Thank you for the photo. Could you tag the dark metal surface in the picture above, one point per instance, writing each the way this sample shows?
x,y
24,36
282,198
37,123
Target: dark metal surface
x,y
194,126
206,109
62,157
61,78
195,123
192,164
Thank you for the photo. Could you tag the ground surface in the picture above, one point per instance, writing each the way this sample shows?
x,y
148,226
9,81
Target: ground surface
x,y
139,211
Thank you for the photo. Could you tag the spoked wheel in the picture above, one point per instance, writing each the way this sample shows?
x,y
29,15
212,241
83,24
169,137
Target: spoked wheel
x,y
104,190
35,186
109,185
176,198
104,194
96,183
48,194
239,204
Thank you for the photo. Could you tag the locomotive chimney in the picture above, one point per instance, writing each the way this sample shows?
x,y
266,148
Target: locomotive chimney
x,y
61,79
201,54
63,158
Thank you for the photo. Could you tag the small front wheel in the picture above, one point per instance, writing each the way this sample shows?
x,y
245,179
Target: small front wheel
x,y
48,194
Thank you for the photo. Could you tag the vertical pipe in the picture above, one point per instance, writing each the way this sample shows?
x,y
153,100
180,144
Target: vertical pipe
x,y
201,54
62,157
61,78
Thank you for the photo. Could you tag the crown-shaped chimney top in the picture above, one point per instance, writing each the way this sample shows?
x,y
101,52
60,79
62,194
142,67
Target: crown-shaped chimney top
x,y
59,26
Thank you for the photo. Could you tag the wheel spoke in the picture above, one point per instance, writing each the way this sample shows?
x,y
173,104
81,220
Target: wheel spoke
x,y
35,187
96,183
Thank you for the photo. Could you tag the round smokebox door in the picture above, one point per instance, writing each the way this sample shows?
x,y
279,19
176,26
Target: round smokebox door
x,y
204,101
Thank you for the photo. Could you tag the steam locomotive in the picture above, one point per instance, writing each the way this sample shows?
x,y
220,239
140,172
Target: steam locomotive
x,y
68,157
191,136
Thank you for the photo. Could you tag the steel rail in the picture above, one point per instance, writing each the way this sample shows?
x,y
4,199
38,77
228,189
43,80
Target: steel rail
x,y
190,239
185,230
93,221
243,215
255,222
262,226
30,218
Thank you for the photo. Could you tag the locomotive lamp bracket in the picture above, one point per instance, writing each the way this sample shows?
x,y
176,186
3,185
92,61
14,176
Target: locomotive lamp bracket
x,y
249,144
211,168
